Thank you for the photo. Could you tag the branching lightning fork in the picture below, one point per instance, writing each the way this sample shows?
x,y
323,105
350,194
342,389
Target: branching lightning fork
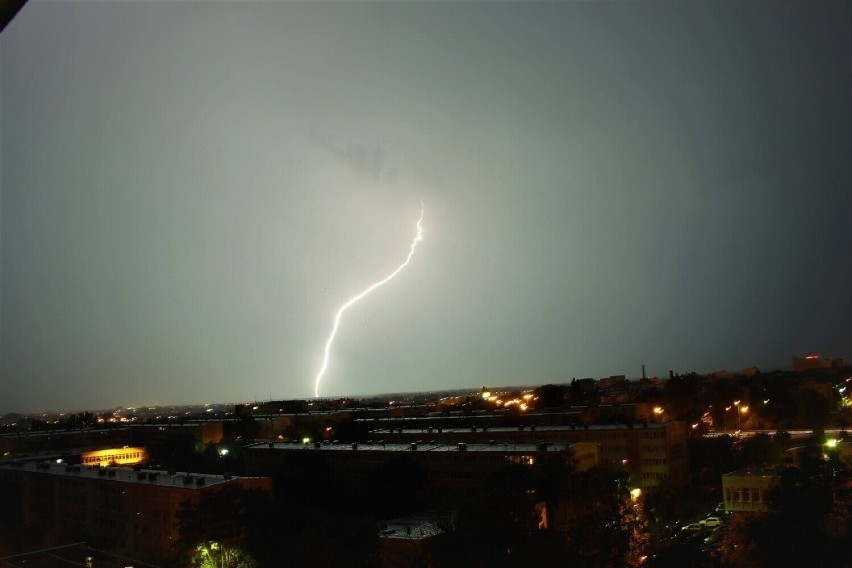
x,y
417,238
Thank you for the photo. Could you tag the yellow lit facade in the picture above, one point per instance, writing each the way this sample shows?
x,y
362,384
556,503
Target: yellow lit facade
x,y
114,456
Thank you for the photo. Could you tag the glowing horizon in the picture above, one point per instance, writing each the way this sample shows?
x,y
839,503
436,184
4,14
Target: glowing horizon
x,y
417,238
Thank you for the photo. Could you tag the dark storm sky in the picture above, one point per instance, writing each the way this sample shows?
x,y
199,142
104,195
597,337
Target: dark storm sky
x,y
191,190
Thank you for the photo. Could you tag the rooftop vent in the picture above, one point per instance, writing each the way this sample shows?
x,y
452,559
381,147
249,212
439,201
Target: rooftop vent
x,y
462,447
532,428
187,479
521,428
413,446
354,446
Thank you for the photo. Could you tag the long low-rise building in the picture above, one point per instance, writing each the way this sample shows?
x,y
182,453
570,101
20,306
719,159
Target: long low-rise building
x,y
130,512
21,443
456,468
651,452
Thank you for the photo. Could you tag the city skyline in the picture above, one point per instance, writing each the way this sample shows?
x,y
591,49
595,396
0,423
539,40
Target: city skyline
x,y
190,192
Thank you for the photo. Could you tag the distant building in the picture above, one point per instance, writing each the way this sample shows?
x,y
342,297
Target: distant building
x,y
205,432
814,361
747,490
457,469
409,542
114,456
650,452
612,382
456,473
18,443
723,374
128,512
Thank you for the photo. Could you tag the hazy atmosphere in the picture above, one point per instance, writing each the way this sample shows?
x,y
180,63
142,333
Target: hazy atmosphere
x,y
191,190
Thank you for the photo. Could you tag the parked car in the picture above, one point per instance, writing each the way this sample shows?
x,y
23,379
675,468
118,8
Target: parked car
x,y
692,527
713,522
714,541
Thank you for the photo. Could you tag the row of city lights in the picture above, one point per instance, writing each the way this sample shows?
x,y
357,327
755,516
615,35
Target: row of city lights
x,y
522,404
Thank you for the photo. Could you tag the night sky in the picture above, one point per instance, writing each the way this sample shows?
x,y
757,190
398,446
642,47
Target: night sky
x,y
191,190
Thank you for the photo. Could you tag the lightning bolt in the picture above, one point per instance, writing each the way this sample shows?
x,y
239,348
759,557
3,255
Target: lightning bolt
x,y
417,238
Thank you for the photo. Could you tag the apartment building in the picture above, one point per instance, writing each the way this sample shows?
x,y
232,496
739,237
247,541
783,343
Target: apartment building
x,y
126,511
650,452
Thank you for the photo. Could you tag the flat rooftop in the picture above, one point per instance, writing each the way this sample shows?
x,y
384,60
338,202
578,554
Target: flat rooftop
x,y
756,472
70,555
412,528
547,428
437,417
420,447
160,478
77,432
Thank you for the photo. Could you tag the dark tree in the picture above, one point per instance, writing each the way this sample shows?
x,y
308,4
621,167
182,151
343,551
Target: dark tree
x,y
550,396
